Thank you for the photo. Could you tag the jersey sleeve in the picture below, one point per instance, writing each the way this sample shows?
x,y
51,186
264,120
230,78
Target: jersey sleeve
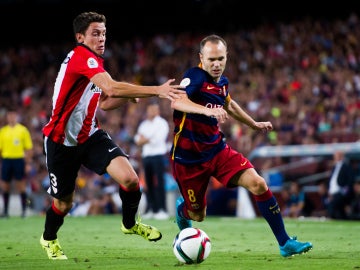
x,y
197,78
28,145
87,64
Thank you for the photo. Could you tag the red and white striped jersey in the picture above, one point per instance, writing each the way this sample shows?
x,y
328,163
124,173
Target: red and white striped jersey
x,y
75,98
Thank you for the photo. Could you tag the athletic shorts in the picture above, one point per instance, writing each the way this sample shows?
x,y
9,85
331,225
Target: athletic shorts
x,y
12,168
64,162
193,179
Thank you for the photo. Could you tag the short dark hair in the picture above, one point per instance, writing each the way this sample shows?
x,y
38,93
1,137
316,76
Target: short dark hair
x,y
11,108
83,20
213,39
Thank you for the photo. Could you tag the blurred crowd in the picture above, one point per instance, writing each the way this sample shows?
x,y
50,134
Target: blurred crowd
x,y
304,76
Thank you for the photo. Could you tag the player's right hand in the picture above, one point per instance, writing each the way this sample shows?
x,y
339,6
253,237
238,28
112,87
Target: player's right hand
x,y
169,91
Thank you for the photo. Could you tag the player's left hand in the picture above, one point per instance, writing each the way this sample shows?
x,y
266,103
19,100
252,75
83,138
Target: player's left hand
x,y
219,113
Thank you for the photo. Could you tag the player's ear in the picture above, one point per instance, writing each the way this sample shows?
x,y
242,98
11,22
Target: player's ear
x,y
79,37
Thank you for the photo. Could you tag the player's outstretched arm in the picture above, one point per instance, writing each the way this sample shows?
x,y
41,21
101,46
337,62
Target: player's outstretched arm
x,y
116,89
234,109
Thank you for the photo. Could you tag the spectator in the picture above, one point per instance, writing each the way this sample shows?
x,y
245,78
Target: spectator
x,y
221,201
321,209
102,203
151,136
296,204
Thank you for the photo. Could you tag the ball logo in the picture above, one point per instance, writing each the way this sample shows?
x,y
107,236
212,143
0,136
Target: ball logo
x,y
92,63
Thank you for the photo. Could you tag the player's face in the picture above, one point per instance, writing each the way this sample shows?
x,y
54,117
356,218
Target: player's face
x,y
95,37
213,59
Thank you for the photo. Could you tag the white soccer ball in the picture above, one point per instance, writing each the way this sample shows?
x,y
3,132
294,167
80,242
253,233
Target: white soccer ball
x,y
191,246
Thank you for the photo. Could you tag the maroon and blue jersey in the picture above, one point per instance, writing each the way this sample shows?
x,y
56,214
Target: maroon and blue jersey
x,y
198,138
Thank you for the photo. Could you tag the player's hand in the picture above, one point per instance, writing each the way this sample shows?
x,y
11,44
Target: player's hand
x,y
219,113
169,91
263,126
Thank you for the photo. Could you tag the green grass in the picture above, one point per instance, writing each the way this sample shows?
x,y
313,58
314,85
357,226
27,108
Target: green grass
x,y
97,243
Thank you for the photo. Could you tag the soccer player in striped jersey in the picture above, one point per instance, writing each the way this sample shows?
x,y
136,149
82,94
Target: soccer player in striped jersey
x,y
199,150
73,136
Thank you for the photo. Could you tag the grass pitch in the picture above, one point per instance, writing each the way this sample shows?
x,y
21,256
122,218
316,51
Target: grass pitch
x,y
97,243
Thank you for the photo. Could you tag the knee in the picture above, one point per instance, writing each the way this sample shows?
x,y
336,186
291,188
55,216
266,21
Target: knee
x,y
63,206
131,182
258,186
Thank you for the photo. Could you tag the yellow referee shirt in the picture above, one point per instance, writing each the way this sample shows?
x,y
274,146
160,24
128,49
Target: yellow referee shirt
x,y
14,141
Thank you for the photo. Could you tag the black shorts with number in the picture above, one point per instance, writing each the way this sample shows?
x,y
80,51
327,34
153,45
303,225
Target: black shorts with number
x,y
64,162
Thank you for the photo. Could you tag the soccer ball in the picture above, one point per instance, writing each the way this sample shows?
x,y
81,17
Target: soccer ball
x,y
191,246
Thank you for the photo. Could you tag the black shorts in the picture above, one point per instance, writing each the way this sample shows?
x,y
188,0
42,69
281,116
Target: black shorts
x,y
64,162
12,168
